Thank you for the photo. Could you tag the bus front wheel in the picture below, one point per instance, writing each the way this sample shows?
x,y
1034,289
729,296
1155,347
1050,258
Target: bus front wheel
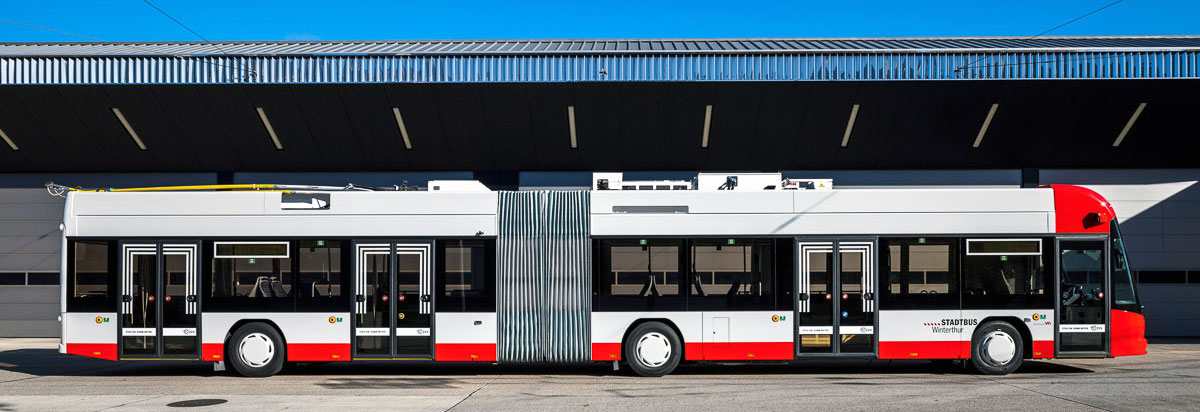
x,y
996,348
256,350
653,349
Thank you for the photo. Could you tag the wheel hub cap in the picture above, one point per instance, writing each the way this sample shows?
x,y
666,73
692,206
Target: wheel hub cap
x,y
653,349
998,348
256,350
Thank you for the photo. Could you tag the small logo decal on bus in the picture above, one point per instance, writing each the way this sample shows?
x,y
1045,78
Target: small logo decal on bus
x,y
775,318
1036,316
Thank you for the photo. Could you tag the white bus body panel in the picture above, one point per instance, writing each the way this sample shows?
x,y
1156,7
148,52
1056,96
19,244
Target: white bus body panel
x,y
310,336
91,334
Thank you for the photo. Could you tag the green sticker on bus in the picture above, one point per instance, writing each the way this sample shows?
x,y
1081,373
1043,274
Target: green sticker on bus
x,y
730,241
641,241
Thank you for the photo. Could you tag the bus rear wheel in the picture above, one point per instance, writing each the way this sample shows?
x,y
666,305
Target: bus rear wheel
x,y
996,348
653,349
256,350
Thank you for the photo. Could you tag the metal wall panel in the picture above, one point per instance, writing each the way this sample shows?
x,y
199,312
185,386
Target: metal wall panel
x,y
605,67
562,46
543,277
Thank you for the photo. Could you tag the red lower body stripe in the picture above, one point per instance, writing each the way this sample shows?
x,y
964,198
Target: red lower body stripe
x,y
1043,349
212,352
471,352
318,352
924,350
94,350
947,350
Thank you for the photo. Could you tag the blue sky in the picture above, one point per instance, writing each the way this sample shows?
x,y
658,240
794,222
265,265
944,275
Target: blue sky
x,y
133,20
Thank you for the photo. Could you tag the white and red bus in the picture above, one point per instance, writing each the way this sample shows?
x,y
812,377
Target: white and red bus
x,y
646,274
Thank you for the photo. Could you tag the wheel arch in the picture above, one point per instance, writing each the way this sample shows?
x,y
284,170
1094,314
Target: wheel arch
x,y
1016,323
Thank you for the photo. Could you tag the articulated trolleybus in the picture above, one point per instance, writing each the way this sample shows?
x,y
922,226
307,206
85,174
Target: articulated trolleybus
x,y
724,267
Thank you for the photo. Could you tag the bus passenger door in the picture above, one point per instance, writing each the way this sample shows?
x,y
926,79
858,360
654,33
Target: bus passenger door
x,y
1082,288
159,304
393,302
835,307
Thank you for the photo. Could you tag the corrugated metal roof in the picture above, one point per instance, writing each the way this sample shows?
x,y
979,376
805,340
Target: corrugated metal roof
x,y
602,46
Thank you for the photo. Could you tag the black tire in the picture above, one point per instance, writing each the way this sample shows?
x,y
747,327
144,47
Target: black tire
x,y
245,351
1001,334
644,349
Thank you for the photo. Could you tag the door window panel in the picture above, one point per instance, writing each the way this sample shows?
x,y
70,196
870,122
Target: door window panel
x,y
1082,319
140,322
815,318
373,325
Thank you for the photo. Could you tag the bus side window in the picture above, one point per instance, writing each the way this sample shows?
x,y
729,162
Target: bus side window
x,y
921,273
250,276
466,275
91,276
639,274
731,274
320,281
1008,273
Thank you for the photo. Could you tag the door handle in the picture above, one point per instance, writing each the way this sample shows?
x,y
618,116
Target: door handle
x,y
426,298
126,298
360,298
191,298
802,296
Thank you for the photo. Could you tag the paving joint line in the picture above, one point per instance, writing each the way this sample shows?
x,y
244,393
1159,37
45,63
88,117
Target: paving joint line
x,y
1042,393
464,399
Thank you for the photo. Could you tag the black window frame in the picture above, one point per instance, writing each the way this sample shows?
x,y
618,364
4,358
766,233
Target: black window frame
x,y
972,298
108,303
338,303
213,303
723,301
951,300
602,280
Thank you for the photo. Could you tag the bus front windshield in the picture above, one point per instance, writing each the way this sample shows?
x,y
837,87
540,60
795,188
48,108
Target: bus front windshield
x,y
1124,295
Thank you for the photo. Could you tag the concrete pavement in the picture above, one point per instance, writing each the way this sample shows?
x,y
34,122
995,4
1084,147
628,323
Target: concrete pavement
x,y
33,376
